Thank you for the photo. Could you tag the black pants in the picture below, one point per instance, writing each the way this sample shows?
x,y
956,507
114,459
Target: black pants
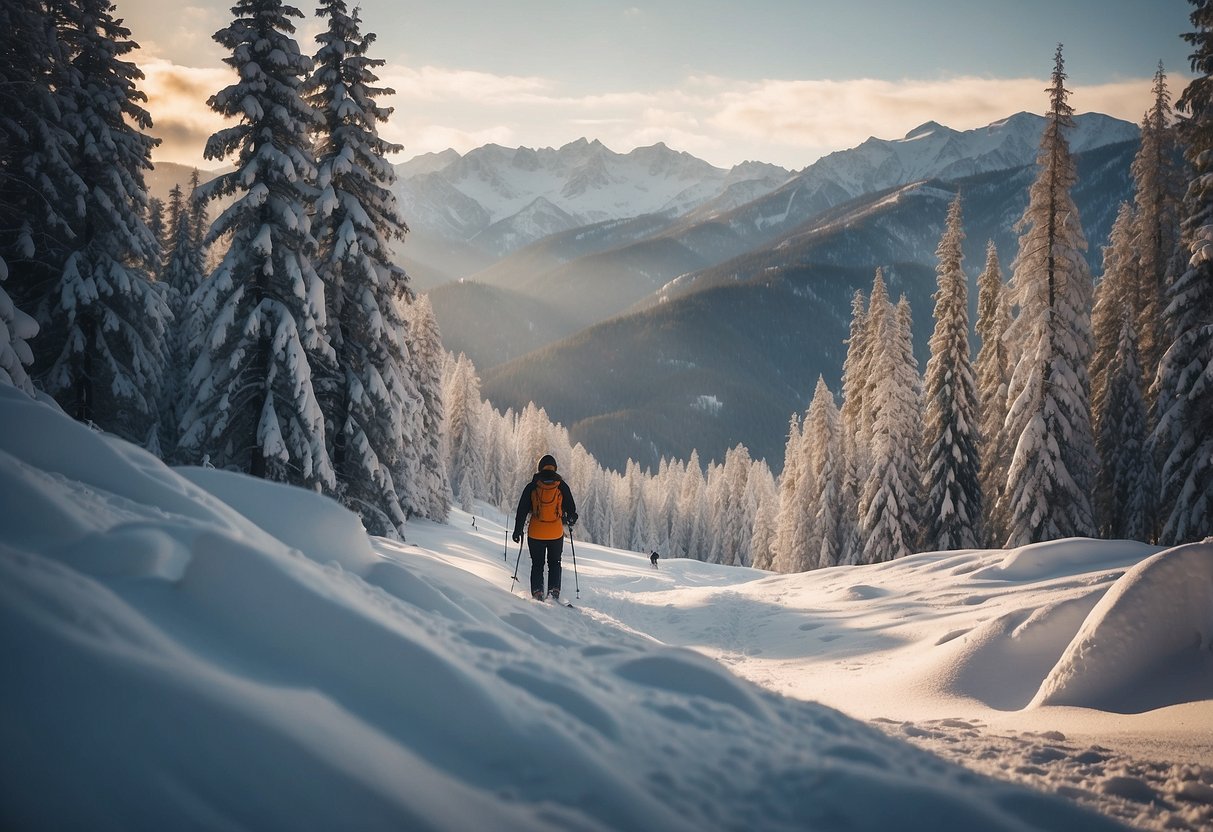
x,y
545,551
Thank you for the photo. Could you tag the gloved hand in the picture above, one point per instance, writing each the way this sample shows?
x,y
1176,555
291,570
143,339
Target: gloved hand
x,y
517,537
571,519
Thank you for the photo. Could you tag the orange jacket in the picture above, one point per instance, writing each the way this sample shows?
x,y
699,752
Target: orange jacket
x,y
540,486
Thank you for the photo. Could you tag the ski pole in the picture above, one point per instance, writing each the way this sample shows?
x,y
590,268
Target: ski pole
x,y
576,586
505,547
516,564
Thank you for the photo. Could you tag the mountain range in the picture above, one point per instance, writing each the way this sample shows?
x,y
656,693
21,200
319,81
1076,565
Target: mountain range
x,y
706,325
654,303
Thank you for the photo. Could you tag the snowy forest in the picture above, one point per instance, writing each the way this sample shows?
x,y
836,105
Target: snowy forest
x,y
279,339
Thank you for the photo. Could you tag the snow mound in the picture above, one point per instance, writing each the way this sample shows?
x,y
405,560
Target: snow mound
x,y
1058,558
311,523
171,662
1148,643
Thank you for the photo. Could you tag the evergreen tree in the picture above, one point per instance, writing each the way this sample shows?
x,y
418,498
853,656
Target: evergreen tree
x,y
762,503
371,402
253,406
99,351
183,273
856,429
431,496
791,526
1126,484
464,431
637,511
1157,195
993,369
953,486
823,434
891,501
689,538
16,330
158,226
733,521
1049,480
834,526
1183,435
29,130
40,191
1115,297
200,221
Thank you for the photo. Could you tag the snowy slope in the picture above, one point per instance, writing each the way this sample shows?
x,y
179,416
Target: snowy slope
x,y
194,650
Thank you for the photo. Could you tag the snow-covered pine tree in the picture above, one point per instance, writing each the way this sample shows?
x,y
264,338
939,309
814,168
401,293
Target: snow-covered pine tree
x,y
952,466
16,330
501,482
183,273
823,435
200,220
668,483
431,496
1183,434
1157,189
732,514
1126,485
1116,296
28,115
689,536
252,404
531,441
371,402
158,225
637,508
855,418
1125,482
891,496
993,370
39,189
585,476
791,524
762,502
99,351
465,436
1049,413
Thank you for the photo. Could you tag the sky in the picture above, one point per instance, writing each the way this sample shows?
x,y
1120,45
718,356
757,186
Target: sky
x,y
781,81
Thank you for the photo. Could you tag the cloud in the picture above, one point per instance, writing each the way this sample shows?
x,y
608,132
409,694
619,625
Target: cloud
x,y
723,120
177,98
828,115
430,83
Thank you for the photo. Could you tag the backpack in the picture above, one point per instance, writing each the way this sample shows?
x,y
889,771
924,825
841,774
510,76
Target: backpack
x,y
546,502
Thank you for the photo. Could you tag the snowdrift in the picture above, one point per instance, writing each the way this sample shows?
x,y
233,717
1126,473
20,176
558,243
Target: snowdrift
x,y
197,650
1148,643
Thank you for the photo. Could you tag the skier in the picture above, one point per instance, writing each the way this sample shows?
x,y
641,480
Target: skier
x,y
653,559
549,502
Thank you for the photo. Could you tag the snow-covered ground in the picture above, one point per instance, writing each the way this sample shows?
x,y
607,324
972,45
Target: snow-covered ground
x,y
193,649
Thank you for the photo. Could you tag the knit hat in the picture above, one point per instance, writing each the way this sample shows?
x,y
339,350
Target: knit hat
x,y
546,461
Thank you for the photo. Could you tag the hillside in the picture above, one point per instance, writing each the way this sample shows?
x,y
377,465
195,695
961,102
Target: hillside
x,y
718,367
754,332
197,649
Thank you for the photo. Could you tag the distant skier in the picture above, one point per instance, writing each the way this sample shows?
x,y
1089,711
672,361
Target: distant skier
x,y
653,559
549,502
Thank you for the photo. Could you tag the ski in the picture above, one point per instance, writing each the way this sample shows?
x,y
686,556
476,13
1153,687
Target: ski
x,y
555,601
